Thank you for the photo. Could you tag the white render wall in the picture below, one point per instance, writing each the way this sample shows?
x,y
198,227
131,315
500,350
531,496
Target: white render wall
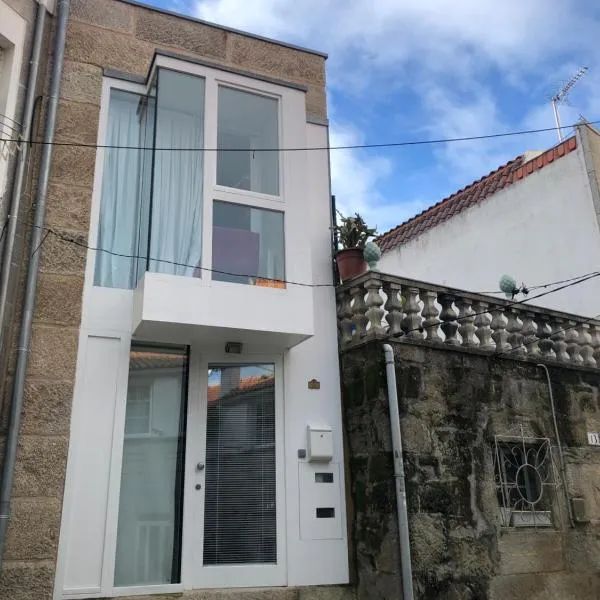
x,y
541,229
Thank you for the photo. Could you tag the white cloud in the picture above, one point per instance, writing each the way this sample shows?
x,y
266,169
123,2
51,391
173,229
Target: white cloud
x,y
450,58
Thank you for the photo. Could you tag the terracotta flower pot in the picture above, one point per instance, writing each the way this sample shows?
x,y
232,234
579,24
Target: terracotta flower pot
x,y
350,263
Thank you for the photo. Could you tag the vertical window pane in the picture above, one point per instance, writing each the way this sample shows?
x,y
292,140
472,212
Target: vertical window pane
x,y
176,206
249,139
248,245
119,208
239,509
151,496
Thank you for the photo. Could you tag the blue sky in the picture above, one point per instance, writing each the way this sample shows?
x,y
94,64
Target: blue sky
x,y
425,69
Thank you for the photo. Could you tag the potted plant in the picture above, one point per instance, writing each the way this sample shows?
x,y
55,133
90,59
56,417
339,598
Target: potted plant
x,y
352,235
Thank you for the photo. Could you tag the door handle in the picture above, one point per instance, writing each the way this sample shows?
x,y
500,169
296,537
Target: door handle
x,y
200,466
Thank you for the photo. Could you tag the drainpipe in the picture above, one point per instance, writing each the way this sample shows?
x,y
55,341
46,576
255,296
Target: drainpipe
x,y
12,434
21,169
563,464
406,565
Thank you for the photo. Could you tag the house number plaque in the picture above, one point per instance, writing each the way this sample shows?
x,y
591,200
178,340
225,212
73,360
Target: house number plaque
x,y
314,384
593,438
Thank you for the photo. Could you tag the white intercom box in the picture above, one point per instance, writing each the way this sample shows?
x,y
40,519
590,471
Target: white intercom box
x,y
320,443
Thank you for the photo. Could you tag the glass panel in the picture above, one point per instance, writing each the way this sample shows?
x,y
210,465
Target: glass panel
x,y
248,245
239,509
176,207
119,210
150,503
248,141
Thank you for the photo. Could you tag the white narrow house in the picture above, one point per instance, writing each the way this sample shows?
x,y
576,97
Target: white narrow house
x,y
206,436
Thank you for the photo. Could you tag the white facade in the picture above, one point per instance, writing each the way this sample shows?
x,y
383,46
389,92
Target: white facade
x,y
291,329
541,229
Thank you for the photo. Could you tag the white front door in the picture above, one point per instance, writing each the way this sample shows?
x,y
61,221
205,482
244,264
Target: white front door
x,y
234,508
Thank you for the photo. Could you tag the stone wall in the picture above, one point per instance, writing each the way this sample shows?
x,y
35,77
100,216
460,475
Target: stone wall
x,y
452,404
117,35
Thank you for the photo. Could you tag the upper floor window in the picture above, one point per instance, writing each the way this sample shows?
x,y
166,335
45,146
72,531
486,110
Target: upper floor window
x,y
157,179
248,134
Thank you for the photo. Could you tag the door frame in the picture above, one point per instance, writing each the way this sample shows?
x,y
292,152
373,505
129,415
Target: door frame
x,y
194,574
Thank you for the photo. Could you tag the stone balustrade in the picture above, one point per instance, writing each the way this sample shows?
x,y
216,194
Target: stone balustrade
x,y
380,306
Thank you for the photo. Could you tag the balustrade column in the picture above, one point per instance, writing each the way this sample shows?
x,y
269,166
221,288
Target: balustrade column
x,y
393,306
595,332
572,339
359,319
483,331
448,316
529,331
558,336
515,337
430,313
373,303
344,300
545,343
585,341
498,325
466,320
412,325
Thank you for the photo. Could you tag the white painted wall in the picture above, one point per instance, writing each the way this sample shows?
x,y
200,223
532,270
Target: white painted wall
x,y
308,554
538,230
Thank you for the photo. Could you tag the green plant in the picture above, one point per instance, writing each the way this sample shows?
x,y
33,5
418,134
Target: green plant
x,y
352,232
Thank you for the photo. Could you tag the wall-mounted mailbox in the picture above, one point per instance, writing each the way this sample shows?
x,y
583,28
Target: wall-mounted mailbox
x,y
320,443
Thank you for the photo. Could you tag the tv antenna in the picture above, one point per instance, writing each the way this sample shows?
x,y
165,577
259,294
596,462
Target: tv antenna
x,y
561,96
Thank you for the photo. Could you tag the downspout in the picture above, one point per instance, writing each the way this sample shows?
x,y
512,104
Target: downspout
x,y
37,232
563,465
404,540
21,167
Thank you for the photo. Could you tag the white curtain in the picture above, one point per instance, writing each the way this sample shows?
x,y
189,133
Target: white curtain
x,y
119,211
176,236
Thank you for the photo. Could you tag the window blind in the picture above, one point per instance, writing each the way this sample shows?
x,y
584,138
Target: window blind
x,y
240,500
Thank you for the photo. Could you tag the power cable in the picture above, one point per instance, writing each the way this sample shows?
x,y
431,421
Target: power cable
x,y
304,149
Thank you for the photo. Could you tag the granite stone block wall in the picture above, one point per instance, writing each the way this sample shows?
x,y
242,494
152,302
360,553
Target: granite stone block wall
x,y
453,403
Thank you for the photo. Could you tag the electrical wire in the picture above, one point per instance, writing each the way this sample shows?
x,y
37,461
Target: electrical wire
x,y
304,149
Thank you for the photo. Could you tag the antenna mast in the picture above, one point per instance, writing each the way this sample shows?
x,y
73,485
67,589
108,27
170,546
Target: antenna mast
x,y
561,95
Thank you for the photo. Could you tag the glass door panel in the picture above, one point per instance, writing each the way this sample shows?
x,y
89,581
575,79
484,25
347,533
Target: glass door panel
x,y
240,481
151,494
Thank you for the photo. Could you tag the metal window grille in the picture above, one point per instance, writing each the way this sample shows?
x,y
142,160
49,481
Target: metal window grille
x,y
526,481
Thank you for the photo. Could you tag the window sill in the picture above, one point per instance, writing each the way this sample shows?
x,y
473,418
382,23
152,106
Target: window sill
x,y
525,518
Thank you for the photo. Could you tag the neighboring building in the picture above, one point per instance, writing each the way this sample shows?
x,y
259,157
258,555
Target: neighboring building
x,y
537,218
180,350
502,465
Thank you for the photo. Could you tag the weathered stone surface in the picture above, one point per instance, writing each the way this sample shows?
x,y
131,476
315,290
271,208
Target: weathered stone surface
x,y
281,62
582,549
46,408
77,122
81,82
428,540
545,586
40,468
103,13
330,592
38,576
33,529
68,207
530,552
73,165
60,255
53,352
59,299
160,29
108,49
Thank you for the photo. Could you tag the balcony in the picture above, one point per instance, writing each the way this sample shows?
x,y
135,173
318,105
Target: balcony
x,y
377,306
177,309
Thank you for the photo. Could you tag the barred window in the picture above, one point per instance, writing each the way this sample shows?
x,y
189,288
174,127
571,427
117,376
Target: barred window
x,y
525,481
